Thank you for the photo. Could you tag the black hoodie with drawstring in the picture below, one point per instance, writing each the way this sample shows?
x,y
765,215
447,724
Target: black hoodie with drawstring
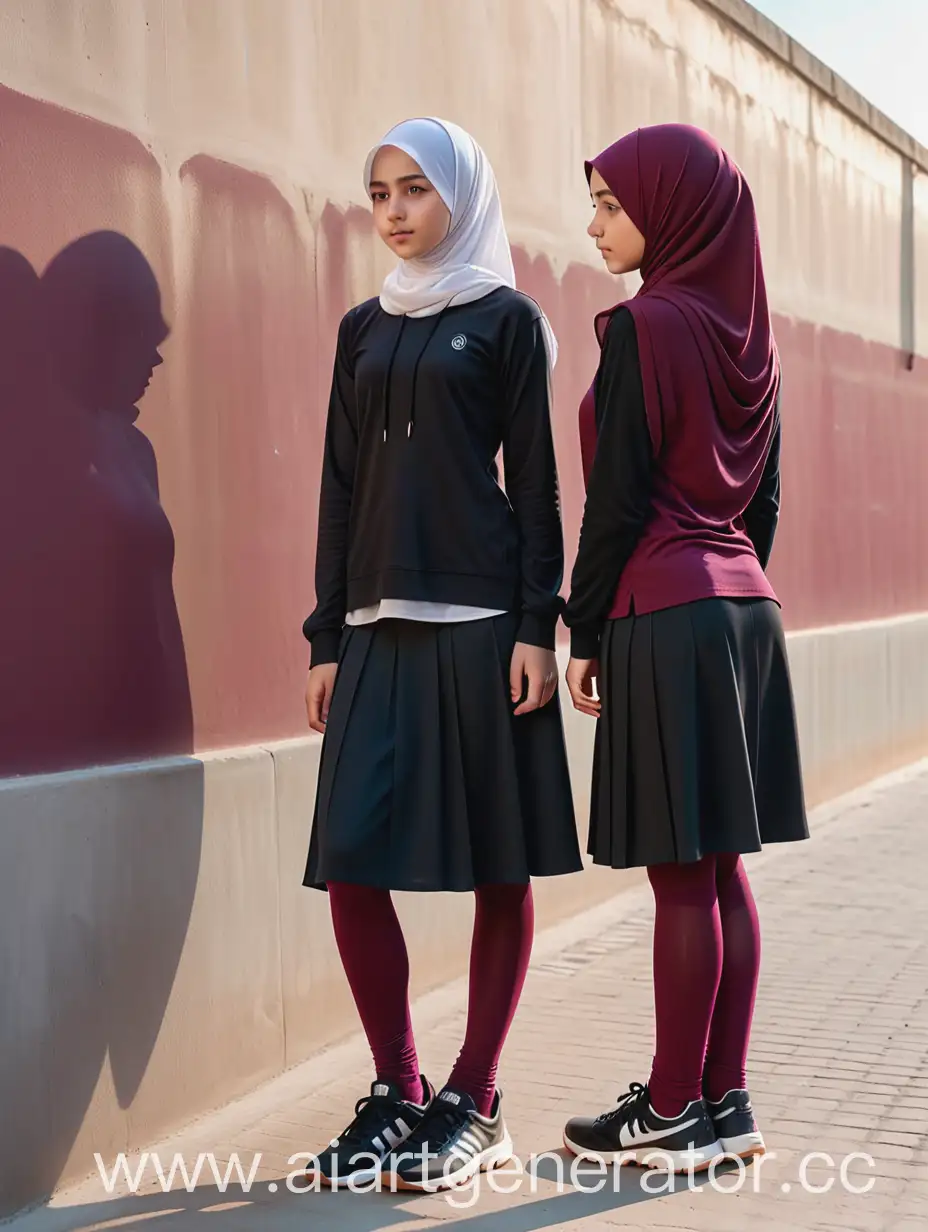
x,y
411,504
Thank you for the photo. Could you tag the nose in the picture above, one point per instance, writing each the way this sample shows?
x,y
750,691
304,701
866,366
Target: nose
x,y
594,230
395,208
156,360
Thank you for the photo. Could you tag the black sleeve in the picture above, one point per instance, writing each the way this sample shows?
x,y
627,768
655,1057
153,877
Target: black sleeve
x,y
618,498
530,475
763,513
323,628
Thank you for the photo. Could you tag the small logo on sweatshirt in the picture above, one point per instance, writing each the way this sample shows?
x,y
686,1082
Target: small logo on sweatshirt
x,y
459,342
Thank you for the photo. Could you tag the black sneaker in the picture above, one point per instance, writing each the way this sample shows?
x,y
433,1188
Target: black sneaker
x,y
451,1144
733,1120
633,1133
381,1122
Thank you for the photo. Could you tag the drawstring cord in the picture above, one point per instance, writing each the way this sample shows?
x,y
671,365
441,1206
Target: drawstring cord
x,y
415,372
386,392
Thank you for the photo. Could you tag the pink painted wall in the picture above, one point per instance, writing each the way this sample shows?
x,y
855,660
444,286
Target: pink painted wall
x,y
109,653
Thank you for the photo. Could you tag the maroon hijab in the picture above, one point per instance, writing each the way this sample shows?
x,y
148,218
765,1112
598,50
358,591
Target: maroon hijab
x,y
709,362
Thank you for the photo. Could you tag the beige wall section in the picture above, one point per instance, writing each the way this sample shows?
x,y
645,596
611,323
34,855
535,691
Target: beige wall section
x,y
166,957
219,77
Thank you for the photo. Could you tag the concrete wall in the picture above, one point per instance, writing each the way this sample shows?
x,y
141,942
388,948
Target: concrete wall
x,y
157,954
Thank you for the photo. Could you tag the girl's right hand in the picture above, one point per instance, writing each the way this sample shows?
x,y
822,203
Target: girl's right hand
x,y
319,694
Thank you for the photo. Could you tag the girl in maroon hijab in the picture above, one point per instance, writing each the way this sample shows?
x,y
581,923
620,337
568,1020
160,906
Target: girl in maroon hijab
x,y
672,615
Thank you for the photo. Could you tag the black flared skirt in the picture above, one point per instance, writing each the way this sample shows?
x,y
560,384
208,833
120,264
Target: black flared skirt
x,y
696,750
427,780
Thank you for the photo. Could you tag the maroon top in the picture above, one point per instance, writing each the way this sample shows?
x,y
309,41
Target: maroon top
x,y
588,432
710,371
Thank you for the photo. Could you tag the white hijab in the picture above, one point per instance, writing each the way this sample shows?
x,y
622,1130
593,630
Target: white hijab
x,y
474,258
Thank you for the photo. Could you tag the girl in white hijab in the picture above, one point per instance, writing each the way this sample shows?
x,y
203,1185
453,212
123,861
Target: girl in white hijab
x,y
474,258
433,674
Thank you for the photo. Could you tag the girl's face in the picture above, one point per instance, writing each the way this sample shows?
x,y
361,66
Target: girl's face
x,y
616,236
409,215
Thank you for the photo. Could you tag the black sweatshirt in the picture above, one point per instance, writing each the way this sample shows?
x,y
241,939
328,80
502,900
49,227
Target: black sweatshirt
x,y
619,493
411,505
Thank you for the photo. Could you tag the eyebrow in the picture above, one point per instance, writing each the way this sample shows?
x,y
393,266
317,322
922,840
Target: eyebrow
x,y
403,179
604,192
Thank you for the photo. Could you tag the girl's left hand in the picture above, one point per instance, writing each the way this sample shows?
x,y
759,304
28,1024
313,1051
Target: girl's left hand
x,y
538,668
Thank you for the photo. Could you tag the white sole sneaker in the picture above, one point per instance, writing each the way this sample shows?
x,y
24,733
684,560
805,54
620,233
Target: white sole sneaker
x,y
746,1146
356,1179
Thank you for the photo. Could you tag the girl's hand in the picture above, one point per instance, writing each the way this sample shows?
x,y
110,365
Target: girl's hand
x,y
581,681
319,694
538,668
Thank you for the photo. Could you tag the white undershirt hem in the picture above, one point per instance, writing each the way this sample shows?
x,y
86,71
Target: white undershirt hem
x,y
415,609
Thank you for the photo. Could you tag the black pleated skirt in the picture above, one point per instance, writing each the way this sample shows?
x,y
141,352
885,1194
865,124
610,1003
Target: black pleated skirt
x,y
696,748
428,781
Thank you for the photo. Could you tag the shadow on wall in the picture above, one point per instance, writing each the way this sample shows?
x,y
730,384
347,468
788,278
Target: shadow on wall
x,y
97,872
92,663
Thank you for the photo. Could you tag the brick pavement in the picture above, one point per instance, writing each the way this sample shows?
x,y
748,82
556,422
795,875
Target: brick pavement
x,y
839,1065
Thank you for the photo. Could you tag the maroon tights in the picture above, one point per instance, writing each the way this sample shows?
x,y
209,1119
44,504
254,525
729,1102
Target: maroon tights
x,y
373,952
706,963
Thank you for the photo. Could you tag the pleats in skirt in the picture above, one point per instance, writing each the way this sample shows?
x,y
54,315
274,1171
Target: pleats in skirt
x,y
427,780
696,749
